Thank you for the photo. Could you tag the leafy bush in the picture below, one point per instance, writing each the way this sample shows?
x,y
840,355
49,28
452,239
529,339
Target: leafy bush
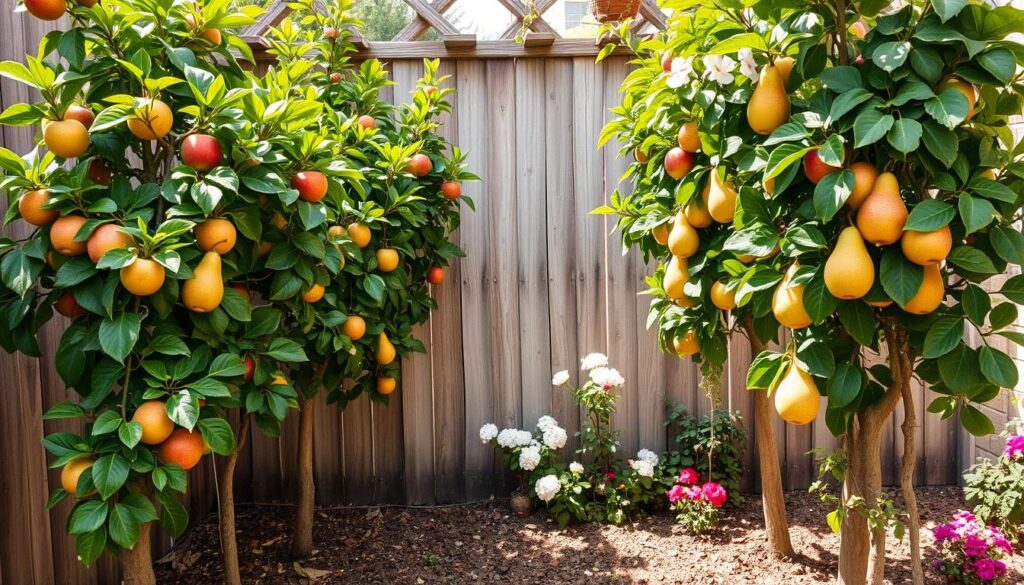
x,y
712,444
697,505
970,552
995,488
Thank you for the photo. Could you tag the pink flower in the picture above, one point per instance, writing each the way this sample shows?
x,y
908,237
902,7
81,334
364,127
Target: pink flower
x,y
989,569
944,532
1000,541
688,476
1014,446
676,494
714,493
609,475
692,493
975,547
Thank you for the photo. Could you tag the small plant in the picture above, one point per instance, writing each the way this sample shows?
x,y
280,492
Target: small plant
x,y
529,455
970,552
697,505
712,444
996,490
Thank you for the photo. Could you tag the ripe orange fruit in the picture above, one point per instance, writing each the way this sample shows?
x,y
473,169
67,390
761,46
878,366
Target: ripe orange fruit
x,y
72,471
183,448
387,259
217,235
67,305
66,138
451,190
688,138
156,425
143,277
62,235
264,248
152,121
105,238
687,344
435,275
367,122
46,9
311,185
419,165
30,206
386,385
360,234
354,327
336,231
314,294
279,221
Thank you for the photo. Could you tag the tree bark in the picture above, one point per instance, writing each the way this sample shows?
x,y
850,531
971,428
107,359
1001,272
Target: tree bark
x,y
228,538
772,498
302,540
909,460
137,563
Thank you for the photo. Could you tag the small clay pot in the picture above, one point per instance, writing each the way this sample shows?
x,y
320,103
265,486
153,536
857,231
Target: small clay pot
x,y
521,504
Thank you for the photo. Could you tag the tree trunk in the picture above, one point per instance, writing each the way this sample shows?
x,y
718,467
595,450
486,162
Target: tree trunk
x,y
772,498
228,538
302,540
137,563
854,543
909,429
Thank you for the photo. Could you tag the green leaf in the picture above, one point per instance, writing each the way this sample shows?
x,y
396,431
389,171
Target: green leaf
x,y
63,410
846,102
286,350
782,157
859,320
891,55
130,433
943,336
905,135
124,526
949,108
870,126
183,409
959,369
976,213
218,435
765,370
173,516
1002,315
20,271
818,301
236,305
831,193
817,357
975,422
167,345
972,260
900,278
375,286
90,545
109,473
929,215
990,189
947,9
998,367
912,91
74,271
227,365
976,304
1008,244
941,142
119,334
841,78
1000,63
107,422
844,385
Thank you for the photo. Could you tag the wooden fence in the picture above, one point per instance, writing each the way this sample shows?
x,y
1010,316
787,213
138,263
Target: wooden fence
x,y
543,284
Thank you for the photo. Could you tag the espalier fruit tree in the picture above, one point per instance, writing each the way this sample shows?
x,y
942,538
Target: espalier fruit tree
x,y
845,170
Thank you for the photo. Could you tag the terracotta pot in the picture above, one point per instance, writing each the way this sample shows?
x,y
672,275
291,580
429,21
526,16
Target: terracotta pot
x,y
521,504
614,10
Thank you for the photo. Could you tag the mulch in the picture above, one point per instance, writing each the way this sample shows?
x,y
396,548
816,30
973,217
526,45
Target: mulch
x,y
483,543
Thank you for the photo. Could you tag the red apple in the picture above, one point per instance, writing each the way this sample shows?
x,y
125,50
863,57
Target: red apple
x,y
250,368
202,152
311,185
330,32
815,169
435,275
367,122
98,172
678,162
420,165
451,190
80,113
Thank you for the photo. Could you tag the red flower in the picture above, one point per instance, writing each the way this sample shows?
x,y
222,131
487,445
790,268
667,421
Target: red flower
x,y
609,475
689,476
714,493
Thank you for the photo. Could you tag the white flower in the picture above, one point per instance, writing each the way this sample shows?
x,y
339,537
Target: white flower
x,y
547,487
607,377
560,378
680,72
576,467
529,458
546,422
555,437
748,67
523,438
508,438
647,455
593,360
643,468
779,34
719,68
488,432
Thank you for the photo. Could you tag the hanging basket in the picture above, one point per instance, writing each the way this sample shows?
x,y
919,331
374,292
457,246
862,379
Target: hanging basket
x,y
614,10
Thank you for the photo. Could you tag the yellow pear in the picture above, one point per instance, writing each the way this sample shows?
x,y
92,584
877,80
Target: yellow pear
x,y
788,302
385,350
883,214
204,291
769,105
661,233
721,199
676,274
849,271
796,397
927,248
929,297
722,297
696,210
683,240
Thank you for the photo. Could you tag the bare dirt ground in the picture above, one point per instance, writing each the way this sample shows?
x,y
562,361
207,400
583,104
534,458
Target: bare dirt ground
x,y
483,543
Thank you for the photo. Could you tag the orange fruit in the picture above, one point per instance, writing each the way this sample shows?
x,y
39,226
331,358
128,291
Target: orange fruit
x,y
67,305
156,425
143,277
360,234
183,448
72,471
687,344
46,9
62,235
152,121
279,221
81,113
387,259
30,206
386,385
216,235
105,238
66,138
354,327
688,138
264,248
314,294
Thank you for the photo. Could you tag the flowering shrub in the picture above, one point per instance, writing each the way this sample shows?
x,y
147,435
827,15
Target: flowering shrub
x,y
529,454
970,551
996,490
697,505
712,444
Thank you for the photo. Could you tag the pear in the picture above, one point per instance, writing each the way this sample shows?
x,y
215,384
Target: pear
x,y
769,105
883,214
849,271
385,350
696,210
788,302
931,293
722,297
796,396
676,274
864,176
661,233
927,248
204,291
721,199
683,240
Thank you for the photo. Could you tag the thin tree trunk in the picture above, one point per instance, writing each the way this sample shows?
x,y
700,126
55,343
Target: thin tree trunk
x,y
909,428
137,563
854,542
772,498
302,540
228,538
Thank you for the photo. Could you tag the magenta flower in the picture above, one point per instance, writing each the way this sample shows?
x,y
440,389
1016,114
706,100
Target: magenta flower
x,y
714,493
692,493
989,569
1014,446
676,494
975,547
944,532
689,476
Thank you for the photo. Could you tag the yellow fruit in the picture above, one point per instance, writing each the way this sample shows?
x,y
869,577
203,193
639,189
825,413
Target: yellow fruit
x,y
686,345
62,235
676,274
685,302
278,221
929,297
156,425
354,327
66,138
926,248
696,210
967,89
152,121
143,277
105,238
883,214
785,67
769,105
386,385
385,353
216,235
387,259
864,177
72,472
796,397
360,234
205,290
721,199
661,233
849,271
314,294
722,297
688,138
788,302
683,240
30,206
881,304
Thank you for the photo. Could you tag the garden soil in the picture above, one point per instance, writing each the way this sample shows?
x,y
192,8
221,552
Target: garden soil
x,y
482,543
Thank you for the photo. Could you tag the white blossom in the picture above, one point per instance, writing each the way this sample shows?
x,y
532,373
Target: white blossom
x,y
555,437
647,455
508,438
779,34
576,467
523,438
593,360
529,457
547,487
680,72
748,67
719,68
607,377
488,432
560,378
546,422
643,468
